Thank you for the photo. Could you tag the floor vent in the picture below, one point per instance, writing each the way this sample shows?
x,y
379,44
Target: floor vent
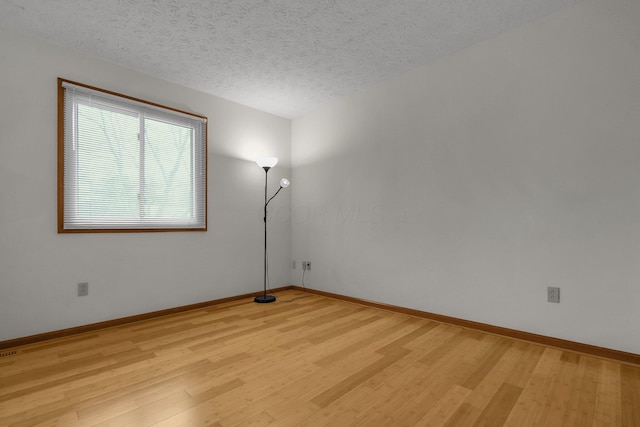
x,y
8,354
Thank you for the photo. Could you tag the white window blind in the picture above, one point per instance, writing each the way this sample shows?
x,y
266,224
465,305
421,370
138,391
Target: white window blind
x,y
130,165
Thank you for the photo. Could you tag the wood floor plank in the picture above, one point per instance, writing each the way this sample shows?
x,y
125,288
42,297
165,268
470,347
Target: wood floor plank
x,y
106,400
346,385
366,342
423,392
500,406
531,408
152,412
582,400
488,363
445,407
630,395
314,361
528,358
485,391
608,406
294,416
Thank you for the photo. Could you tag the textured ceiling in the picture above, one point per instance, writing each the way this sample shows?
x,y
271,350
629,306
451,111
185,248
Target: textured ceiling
x,y
285,57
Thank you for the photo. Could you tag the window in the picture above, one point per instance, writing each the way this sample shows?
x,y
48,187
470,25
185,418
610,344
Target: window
x,y
128,165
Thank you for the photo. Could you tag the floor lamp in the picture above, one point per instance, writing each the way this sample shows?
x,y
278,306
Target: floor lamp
x,y
267,163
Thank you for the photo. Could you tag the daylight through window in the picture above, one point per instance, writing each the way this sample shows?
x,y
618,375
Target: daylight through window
x,y
129,165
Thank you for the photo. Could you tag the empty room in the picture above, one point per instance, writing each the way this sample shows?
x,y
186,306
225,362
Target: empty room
x,y
320,213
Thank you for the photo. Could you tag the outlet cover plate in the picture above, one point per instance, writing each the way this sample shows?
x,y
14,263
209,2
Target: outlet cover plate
x,y
553,294
83,289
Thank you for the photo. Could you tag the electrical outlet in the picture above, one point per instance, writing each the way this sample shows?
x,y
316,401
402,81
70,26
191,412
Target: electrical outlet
x,y
83,289
553,294
293,264
306,265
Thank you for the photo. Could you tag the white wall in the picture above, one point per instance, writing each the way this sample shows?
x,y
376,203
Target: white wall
x,y
127,273
467,187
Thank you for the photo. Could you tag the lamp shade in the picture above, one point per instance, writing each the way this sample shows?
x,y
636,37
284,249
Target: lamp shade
x,y
267,162
284,183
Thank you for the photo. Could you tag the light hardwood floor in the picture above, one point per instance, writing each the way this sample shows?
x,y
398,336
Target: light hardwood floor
x,y
311,362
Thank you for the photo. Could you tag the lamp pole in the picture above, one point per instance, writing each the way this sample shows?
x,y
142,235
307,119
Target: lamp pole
x,y
267,163
264,298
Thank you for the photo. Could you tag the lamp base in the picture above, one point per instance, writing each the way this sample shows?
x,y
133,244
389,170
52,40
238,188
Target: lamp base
x,y
263,299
